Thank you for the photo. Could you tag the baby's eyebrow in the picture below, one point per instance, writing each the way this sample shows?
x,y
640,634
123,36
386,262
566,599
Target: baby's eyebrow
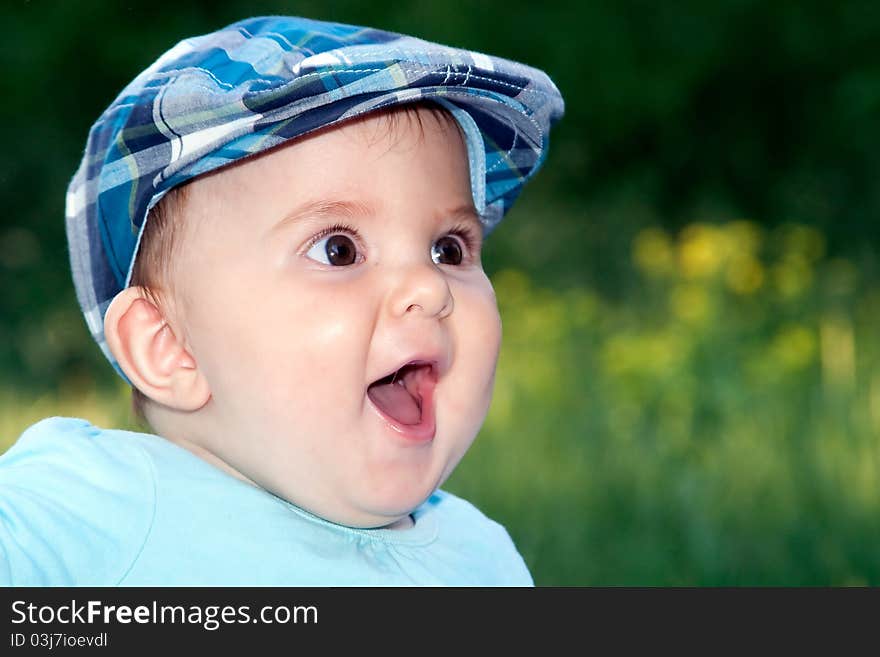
x,y
323,208
466,213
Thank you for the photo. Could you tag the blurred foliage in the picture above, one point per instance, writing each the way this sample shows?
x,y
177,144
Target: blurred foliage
x,y
717,425
689,390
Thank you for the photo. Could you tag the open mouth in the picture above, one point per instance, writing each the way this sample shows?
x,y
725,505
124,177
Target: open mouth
x,y
402,395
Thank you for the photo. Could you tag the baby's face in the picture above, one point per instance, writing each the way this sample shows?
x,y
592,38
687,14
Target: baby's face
x,y
332,294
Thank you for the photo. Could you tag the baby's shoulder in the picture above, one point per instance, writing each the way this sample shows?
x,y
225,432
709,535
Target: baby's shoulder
x,y
76,503
459,511
68,443
471,532
71,458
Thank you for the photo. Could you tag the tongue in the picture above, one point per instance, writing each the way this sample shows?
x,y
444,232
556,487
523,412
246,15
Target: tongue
x,y
395,401
399,396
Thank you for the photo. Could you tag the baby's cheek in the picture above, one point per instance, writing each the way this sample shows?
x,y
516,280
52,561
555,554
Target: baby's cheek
x,y
319,369
478,339
484,321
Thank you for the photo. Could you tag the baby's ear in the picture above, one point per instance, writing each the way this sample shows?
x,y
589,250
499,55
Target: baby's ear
x,y
152,357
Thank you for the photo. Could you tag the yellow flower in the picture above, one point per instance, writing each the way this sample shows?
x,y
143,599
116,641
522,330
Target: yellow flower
x,y
793,276
794,347
744,274
743,238
690,303
701,251
654,355
653,253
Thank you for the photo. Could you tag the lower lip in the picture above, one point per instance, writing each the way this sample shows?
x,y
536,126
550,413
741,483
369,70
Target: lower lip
x,y
422,432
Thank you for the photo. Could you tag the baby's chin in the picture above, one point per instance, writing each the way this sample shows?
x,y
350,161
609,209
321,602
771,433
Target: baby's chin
x,y
382,522
388,513
372,510
369,518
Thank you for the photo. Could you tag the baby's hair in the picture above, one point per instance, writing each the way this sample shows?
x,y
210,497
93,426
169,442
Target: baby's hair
x,y
153,265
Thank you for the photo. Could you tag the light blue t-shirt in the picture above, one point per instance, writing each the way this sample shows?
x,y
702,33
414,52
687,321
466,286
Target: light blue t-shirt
x,y
83,506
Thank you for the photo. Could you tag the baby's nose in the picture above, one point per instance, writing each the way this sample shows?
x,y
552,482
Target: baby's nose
x,y
421,289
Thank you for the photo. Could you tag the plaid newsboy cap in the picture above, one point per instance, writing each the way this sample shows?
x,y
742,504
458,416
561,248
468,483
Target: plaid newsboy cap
x,y
214,99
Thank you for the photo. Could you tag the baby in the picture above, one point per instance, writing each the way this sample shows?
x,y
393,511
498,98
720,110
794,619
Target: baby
x,y
275,237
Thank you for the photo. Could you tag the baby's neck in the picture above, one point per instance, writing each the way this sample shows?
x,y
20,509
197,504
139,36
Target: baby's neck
x,y
404,523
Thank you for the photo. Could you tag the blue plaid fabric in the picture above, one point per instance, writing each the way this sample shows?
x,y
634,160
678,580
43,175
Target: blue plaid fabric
x,y
214,99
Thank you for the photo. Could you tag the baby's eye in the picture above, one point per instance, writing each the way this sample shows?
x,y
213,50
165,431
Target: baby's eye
x,y
337,250
446,251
